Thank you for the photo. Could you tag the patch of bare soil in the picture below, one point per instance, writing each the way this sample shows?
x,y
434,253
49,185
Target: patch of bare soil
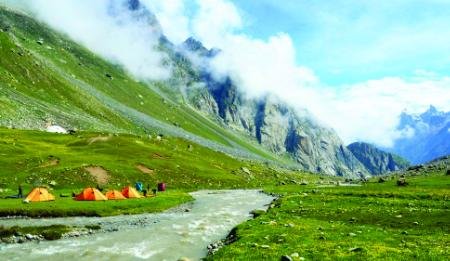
x,y
98,139
51,162
144,169
99,173
158,156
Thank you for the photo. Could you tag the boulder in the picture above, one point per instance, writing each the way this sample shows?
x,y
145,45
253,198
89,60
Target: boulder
x,y
402,182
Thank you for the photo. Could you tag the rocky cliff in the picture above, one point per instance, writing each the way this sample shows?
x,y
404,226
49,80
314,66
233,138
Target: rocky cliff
x,y
375,160
275,125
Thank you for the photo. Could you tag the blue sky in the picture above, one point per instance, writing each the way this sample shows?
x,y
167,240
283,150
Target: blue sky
x,y
351,41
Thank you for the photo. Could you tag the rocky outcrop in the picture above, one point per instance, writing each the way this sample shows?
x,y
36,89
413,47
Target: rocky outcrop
x,y
377,161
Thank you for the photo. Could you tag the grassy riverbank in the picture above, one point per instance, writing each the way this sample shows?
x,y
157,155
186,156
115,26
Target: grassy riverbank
x,y
53,232
374,221
64,207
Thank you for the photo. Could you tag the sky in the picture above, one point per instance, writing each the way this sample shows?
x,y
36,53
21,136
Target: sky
x,y
356,65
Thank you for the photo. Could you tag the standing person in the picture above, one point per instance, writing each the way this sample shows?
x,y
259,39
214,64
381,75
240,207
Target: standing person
x,y
20,194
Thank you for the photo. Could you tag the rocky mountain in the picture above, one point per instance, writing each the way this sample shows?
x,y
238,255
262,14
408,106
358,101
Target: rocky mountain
x,y
427,136
275,125
376,161
46,78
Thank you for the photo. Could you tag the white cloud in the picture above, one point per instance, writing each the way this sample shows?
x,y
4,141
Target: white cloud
x,y
367,111
172,17
122,38
214,20
370,111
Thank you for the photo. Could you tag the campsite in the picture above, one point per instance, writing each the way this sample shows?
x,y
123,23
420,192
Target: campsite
x,y
224,130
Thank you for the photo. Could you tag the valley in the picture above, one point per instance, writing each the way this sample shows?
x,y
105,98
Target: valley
x,y
221,174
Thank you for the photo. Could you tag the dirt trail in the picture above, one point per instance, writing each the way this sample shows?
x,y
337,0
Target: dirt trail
x,y
99,173
144,169
99,138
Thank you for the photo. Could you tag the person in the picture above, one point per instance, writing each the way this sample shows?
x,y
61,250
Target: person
x,y
20,194
99,188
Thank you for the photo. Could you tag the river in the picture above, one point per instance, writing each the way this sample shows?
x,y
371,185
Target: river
x,y
162,236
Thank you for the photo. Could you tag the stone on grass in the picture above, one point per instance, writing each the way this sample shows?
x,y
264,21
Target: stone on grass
x,y
286,258
402,182
355,249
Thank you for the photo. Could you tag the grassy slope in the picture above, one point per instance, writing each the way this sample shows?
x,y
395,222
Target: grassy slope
x,y
28,158
65,83
375,221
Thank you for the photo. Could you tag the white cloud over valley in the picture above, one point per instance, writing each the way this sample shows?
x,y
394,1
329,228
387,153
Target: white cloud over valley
x,y
366,111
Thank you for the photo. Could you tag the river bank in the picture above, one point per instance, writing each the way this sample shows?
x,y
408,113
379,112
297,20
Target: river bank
x,y
182,232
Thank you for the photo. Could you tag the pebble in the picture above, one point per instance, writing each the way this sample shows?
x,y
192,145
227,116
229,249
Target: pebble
x,y
355,249
286,258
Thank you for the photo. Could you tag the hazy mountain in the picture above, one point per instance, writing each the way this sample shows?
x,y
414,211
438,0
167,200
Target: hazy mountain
x,y
428,136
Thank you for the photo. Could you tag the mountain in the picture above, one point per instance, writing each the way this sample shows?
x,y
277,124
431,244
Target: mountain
x,y
427,136
275,125
47,79
375,160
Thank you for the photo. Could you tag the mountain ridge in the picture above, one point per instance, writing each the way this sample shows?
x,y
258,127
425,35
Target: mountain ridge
x,y
375,160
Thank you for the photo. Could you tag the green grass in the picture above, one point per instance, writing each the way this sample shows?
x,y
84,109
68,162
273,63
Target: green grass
x,y
64,207
371,222
52,232
27,158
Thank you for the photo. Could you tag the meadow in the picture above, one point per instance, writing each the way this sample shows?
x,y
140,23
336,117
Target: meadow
x,y
375,221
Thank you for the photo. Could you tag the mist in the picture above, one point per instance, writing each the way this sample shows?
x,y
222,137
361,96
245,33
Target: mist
x,y
106,27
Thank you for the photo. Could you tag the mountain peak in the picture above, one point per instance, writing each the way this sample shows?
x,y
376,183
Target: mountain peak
x,y
134,4
193,45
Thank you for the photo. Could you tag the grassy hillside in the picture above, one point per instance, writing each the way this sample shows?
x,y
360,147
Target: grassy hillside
x,y
372,222
47,78
68,163
34,157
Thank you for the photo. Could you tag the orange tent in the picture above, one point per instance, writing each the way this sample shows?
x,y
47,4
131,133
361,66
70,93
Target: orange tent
x,y
39,195
90,194
114,195
130,192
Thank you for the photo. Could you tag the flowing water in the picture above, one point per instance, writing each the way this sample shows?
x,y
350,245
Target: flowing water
x,y
162,236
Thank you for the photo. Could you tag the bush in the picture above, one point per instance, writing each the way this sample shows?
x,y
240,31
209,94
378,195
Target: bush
x,y
51,234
